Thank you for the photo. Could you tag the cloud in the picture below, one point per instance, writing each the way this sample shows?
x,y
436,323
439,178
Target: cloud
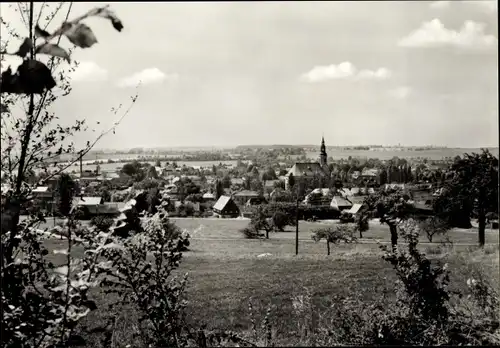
x,y
433,33
440,4
146,76
89,71
345,70
487,5
401,92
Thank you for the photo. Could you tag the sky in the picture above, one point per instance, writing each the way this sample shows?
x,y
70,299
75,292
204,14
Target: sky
x,y
226,74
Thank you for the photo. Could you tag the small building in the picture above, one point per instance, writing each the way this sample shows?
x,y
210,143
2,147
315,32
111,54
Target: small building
x,y
89,204
226,207
237,181
42,192
340,203
243,196
208,197
255,201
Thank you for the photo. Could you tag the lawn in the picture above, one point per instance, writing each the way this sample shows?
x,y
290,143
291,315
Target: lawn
x,y
227,271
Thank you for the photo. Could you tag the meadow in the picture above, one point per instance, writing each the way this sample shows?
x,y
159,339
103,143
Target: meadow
x,y
226,272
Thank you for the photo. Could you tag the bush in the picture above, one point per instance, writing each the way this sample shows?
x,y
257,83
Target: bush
x,y
250,232
281,220
103,223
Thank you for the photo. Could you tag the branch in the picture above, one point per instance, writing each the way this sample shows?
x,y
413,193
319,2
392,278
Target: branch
x,y
91,145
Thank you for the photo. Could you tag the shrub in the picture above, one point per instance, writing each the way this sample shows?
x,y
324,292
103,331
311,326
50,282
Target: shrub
x,y
250,232
103,223
281,220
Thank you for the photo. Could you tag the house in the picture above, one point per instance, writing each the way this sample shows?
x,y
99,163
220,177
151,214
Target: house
x,y
208,197
270,183
226,207
237,181
255,201
370,173
243,196
42,192
90,205
340,203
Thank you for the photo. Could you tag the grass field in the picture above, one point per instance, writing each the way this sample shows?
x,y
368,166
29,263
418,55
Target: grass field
x,y
225,273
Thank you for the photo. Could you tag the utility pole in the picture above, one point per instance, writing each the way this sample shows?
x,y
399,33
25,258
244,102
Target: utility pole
x,y
297,223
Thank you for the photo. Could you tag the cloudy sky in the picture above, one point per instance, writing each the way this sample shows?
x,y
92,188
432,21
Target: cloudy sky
x,y
223,74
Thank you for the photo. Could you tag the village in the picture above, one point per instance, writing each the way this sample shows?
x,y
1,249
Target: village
x,y
324,189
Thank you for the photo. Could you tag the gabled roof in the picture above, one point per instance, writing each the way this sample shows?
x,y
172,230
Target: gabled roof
x,y
208,195
237,181
87,201
221,202
369,172
246,193
339,201
41,189
308,169
355,208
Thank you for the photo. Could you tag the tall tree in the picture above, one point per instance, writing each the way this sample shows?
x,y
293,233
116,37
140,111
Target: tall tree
x,y
65,191
473,190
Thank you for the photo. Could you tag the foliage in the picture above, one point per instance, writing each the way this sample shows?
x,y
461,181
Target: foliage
x,y
149,285
66,189
424,314
103,223
334,235
42,302
433,226
473,189
281,220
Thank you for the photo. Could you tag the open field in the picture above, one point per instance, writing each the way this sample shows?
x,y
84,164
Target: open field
x,y
225,273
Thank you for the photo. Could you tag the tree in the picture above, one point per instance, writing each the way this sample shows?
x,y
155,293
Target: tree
x,y
34,139
219,189
391,206
269,174
334,235
152,174
291,181
66,189
226,181
281,220
433,226
157,163
473,190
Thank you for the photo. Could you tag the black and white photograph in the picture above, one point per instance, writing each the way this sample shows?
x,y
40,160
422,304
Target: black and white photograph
x,y
249,174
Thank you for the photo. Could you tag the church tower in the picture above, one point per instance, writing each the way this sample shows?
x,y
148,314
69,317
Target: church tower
x,y
322,153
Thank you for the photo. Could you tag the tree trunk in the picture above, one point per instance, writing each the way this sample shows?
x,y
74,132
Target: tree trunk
x,y
267,233
394,235
482,226
327,247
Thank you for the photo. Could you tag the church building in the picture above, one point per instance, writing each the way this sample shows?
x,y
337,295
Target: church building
x,y
310,170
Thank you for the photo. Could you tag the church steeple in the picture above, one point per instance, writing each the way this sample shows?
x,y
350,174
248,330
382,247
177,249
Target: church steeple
x,y
322,152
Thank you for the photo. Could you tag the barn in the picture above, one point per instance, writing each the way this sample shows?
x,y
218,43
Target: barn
x,y
226,207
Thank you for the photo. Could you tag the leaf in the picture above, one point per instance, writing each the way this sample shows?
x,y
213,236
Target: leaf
x,y
39,32
34,77
25,48
53,50
4,108
81,35
108,14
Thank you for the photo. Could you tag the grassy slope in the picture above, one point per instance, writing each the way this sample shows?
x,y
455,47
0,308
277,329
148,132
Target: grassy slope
x,y
225,274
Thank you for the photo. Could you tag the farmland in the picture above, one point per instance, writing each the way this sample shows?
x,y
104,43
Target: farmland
x,y
226,273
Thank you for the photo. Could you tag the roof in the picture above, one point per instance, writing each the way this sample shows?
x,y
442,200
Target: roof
x,y
237,181
221,202
246,193
339,201
208,195
369,172
270,183
355,208
306,169
41,189
87,201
